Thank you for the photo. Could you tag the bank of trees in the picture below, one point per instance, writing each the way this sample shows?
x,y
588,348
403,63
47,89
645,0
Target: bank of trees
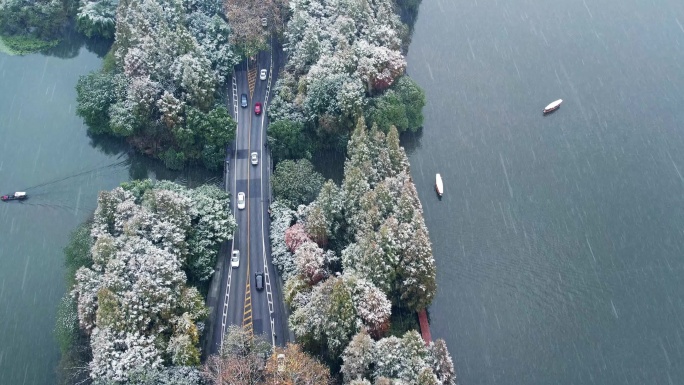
x,y
344,62
354,255
33,25
160,86
132,303
393,360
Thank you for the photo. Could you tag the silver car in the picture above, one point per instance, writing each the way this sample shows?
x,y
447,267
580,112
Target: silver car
x,y
255,158
262,74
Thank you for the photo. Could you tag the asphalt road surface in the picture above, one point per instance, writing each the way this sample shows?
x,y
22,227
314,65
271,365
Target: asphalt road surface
x,y
239,302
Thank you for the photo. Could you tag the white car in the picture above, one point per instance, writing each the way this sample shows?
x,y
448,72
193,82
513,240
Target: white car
x,y
235,259
241,200
255,158
262,74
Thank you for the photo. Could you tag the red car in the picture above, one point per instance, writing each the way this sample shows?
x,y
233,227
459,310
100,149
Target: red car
x,y
257,108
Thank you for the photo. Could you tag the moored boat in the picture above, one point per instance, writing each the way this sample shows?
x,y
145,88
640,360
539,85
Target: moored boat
x,y
553,106
17,196
439,186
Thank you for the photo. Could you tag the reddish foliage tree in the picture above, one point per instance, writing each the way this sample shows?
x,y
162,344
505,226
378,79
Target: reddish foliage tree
x,y
295,236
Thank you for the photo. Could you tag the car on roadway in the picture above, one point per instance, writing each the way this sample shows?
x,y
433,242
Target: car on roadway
x,y
241,200
243,100
235,259
259,281
257,108
255,158
262,74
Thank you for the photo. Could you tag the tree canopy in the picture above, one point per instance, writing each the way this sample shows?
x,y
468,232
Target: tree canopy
x,y
352,255
296,182
170,59
345,62
288,140
133,298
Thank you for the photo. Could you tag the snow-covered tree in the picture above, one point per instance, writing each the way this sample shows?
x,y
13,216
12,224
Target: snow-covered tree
x,y
427,377
116,354
442,364
281,220
338,308
173,56
134,300
342,54
329,317
325,218
296,182
211,224
389,243
403,358
312,263
416,272
174,375
295,236
358,357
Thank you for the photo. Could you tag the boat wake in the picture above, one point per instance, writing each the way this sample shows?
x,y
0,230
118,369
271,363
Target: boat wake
x,y
124,162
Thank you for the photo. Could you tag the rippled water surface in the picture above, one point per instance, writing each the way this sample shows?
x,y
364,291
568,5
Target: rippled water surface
x,y
559,240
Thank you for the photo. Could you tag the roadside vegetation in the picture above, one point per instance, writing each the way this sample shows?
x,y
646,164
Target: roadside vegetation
x,y
161,85
137,277
344,62
355,255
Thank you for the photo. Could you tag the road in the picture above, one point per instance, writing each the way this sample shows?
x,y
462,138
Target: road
x,y
238,302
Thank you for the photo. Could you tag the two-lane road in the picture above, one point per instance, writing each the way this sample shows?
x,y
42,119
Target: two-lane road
x,y
240,303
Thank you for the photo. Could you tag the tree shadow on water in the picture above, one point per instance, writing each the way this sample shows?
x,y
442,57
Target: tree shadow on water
x,y
72,41
141,166
411,141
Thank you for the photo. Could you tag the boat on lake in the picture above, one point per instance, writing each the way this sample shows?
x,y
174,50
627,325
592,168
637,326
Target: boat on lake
x,y
553,106
17,196
439,186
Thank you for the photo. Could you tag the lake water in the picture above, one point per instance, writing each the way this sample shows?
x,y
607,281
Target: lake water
x,y
45,151
560,239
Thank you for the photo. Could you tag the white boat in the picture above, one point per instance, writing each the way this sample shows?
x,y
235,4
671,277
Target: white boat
x,y
553,106
439,186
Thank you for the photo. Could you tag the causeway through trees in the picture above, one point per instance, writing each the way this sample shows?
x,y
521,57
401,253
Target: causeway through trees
x,y
239,302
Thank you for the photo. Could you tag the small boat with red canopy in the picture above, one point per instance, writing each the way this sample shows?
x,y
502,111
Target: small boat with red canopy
x,y
17,196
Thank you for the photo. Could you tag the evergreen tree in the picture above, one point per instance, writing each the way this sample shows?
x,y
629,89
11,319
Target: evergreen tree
x,y
358,358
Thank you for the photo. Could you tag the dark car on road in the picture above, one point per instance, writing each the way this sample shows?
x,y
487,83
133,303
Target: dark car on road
x,y
259,281
257,108
243,101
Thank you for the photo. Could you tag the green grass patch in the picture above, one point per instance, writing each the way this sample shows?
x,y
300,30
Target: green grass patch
x,y
22,45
